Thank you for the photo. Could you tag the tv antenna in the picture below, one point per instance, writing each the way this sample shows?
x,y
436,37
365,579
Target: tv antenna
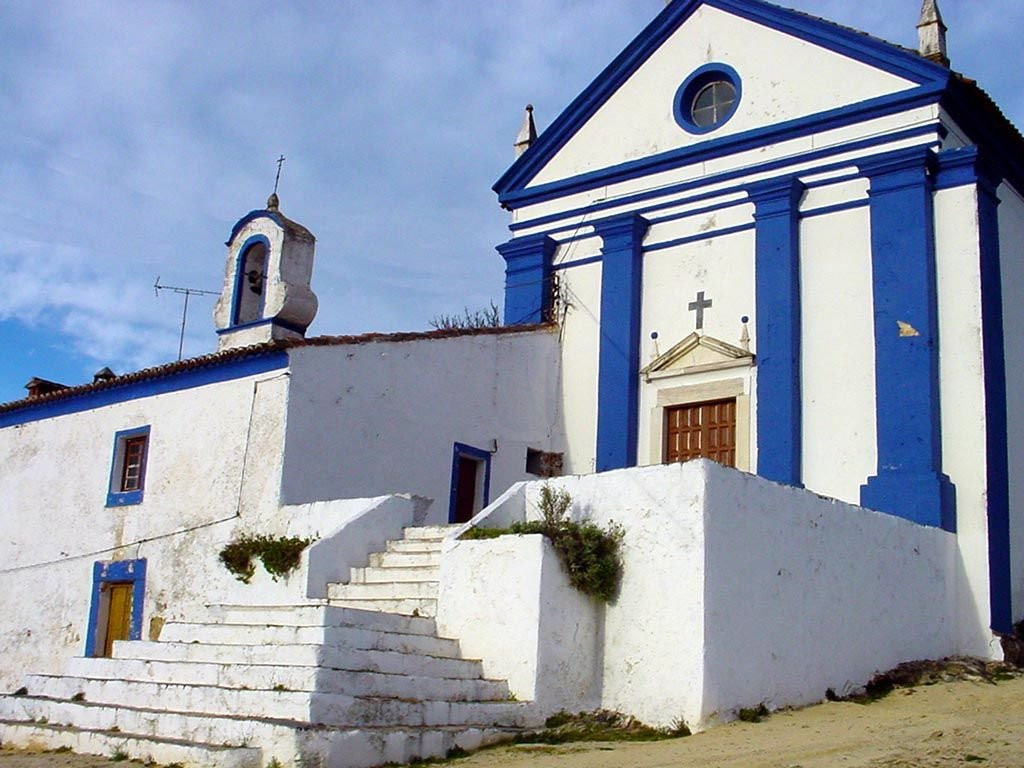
x,y
186,292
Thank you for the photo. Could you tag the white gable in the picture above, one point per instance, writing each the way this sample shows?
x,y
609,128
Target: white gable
x,y
783,78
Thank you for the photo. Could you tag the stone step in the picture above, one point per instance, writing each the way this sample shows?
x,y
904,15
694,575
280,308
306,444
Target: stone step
x,y
394,590
390,662
202,728
415,546
148,749
340,636
330,709
394,573
292,678
322,615
294,747
407,606
428,532
404,559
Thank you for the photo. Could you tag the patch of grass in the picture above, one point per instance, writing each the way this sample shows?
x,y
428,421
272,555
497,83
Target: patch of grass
x,y
602,725
119,756
754,714
279,688
62,750
480,534
911,674
80,696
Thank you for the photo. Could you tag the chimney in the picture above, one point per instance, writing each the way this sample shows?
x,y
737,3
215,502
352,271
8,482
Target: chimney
x,y
103,374
931,33
38,387
527,132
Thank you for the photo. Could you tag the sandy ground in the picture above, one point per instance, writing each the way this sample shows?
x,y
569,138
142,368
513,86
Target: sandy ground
x,y
949,724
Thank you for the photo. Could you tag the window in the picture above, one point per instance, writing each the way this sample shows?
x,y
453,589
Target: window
x,y
707,99
128,467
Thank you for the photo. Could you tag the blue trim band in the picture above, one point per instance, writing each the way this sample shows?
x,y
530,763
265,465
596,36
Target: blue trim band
x,y
727,145
479,454
618,383
576,263
211,373
777,320
909,482
929,129
836,208
116,498
116,572
527,278
257,323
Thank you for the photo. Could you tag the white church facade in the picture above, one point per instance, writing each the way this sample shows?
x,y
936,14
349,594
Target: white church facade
x,y
757,240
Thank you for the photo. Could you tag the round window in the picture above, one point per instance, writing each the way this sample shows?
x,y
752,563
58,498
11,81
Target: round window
x,y
707,99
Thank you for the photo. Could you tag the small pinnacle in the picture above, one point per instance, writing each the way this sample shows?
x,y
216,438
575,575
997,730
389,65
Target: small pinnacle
x,y
931,33
527,132
272,202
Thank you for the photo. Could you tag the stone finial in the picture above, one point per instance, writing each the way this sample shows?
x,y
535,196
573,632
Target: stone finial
x,y
273,203
103,374
744,334
931,33
527,132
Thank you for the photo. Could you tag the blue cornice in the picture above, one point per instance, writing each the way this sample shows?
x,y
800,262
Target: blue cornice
x,y
871,51
251,216
210,373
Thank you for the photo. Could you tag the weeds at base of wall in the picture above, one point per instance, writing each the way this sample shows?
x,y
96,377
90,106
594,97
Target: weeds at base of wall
x,y
753,714
601,725
279,555
589,554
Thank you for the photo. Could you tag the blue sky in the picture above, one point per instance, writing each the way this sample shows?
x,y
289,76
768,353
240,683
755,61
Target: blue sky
x,y
134,134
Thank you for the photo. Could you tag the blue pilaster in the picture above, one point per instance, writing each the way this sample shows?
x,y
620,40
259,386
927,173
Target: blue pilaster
x,y
909,482
777,322
958,167
527,278
619,357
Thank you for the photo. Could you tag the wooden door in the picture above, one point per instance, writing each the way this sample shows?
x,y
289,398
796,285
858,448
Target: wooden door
x,y
119,615
701,430
465,489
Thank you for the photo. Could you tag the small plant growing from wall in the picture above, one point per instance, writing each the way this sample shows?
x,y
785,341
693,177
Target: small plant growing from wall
x,y
589,553
279,555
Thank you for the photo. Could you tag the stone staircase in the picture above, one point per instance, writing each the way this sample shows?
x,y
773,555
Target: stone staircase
x,y
403,579
316,685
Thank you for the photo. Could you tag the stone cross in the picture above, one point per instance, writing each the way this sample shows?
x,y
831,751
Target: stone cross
x,y
699,306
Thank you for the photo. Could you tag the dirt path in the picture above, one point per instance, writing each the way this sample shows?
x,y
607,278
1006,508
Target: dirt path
x,y
950,724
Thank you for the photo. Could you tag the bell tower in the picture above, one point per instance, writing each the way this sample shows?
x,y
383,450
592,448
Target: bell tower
x,y
266,294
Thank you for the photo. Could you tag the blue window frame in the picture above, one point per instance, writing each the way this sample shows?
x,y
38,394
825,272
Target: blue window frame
x,y
128,467
105,574
707,98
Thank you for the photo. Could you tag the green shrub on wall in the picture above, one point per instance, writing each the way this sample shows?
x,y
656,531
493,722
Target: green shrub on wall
x,y
589,554
279,555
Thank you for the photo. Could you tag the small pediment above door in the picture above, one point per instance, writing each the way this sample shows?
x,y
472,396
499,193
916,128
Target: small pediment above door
x,y
697,353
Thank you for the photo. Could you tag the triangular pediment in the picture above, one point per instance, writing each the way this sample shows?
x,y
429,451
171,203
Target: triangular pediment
x,y
791,68
697,353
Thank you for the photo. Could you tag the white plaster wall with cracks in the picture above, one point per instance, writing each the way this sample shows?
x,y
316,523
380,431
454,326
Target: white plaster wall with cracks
x,y
377,417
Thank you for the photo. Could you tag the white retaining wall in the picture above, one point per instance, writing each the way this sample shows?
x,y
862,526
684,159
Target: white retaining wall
x,y
736,591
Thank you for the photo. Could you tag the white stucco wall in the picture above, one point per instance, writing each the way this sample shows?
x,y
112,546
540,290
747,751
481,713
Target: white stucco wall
x,y
837,373
735,591
804,594
383,416
962,397
213,465
1011,249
